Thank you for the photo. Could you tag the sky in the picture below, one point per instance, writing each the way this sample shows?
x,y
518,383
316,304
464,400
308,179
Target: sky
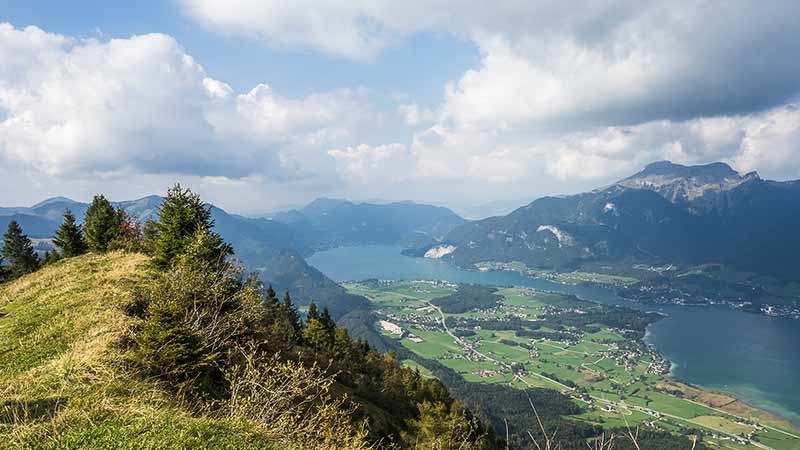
x,y
262,104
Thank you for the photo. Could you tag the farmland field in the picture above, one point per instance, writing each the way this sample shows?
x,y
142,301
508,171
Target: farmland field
x,y
593,354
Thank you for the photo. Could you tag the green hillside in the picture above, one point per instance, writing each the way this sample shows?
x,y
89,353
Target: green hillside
x,y
182,349
64,376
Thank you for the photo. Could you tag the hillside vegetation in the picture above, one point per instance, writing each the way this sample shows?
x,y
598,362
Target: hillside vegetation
x,y
181,349
65,379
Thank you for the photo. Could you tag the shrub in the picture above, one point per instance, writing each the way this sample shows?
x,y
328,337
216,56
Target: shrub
x,y
293,404
192,320
130,234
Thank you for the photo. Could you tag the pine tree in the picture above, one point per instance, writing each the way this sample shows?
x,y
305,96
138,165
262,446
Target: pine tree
x,y
69,237
313,312
19,251
101,226
50,258
290,312
272,297
327,320
181,215
317,335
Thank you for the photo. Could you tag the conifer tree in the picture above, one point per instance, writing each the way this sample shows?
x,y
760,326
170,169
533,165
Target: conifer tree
x,y
18,248
326,320
51,257
317,335
69,237
181,215
290,312
272,297
102,225
313,312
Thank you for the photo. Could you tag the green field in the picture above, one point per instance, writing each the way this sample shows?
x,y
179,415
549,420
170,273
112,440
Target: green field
x,y
576,277
614,377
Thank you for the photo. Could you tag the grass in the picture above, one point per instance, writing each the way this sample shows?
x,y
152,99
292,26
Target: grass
x,y
65,380
722,423
589,363
411,364
574,277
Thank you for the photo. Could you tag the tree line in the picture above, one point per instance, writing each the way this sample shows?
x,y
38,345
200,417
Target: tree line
x,y
104,228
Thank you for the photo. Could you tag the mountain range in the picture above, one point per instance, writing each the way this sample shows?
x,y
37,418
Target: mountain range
x,y
667,213
276,247
326,223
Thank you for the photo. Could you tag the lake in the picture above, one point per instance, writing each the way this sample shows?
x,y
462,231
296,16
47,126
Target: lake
x,y
754,357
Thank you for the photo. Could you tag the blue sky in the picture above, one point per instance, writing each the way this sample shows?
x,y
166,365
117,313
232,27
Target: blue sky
x,y
262,103
418,67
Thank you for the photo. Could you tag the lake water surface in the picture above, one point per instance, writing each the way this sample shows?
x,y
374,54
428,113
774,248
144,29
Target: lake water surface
x,y
755,357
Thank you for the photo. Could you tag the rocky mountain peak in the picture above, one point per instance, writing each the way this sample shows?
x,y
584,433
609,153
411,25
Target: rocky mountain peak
x,y
677,182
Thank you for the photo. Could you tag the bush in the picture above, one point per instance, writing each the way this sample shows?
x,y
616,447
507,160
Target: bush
x,y
293,404
192,321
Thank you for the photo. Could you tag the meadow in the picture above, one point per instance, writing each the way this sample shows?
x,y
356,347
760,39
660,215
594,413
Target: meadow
x,y
616,379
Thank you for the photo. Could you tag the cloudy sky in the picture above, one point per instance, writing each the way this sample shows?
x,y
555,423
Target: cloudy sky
x,y
258,104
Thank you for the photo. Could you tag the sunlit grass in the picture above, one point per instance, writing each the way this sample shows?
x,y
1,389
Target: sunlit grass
x,y
66,380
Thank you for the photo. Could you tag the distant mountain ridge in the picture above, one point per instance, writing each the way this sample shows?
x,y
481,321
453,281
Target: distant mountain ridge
x,y
666,213
326,223
275,248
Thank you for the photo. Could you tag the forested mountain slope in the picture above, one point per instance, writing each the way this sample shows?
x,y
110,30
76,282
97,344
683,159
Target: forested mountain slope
x,y
665,214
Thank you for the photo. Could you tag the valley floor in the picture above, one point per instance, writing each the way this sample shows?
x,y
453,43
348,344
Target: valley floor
x,y
608,371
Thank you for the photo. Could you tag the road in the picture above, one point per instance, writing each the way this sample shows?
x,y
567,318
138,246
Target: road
x,y
621,406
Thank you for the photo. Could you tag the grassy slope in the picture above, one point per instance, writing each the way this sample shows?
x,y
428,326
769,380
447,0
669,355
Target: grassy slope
x,y
63,376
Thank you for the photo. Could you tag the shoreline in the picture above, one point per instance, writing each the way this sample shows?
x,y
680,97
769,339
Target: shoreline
x,y
741,403
611,287
771,415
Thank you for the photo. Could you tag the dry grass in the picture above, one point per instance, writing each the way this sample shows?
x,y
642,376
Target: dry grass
x,y
293,404
727,403
65,382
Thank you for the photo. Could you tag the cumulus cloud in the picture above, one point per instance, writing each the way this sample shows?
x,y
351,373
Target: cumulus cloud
x,y
599,63
356,29
766,141
380,164
566,95
142,105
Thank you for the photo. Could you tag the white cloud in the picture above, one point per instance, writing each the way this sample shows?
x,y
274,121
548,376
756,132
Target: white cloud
x,y
768,141
553,64
88,108
413,115
772,144
381,164
566,95
357,29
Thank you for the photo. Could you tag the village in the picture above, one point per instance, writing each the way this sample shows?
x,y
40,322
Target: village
x,y
615,375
